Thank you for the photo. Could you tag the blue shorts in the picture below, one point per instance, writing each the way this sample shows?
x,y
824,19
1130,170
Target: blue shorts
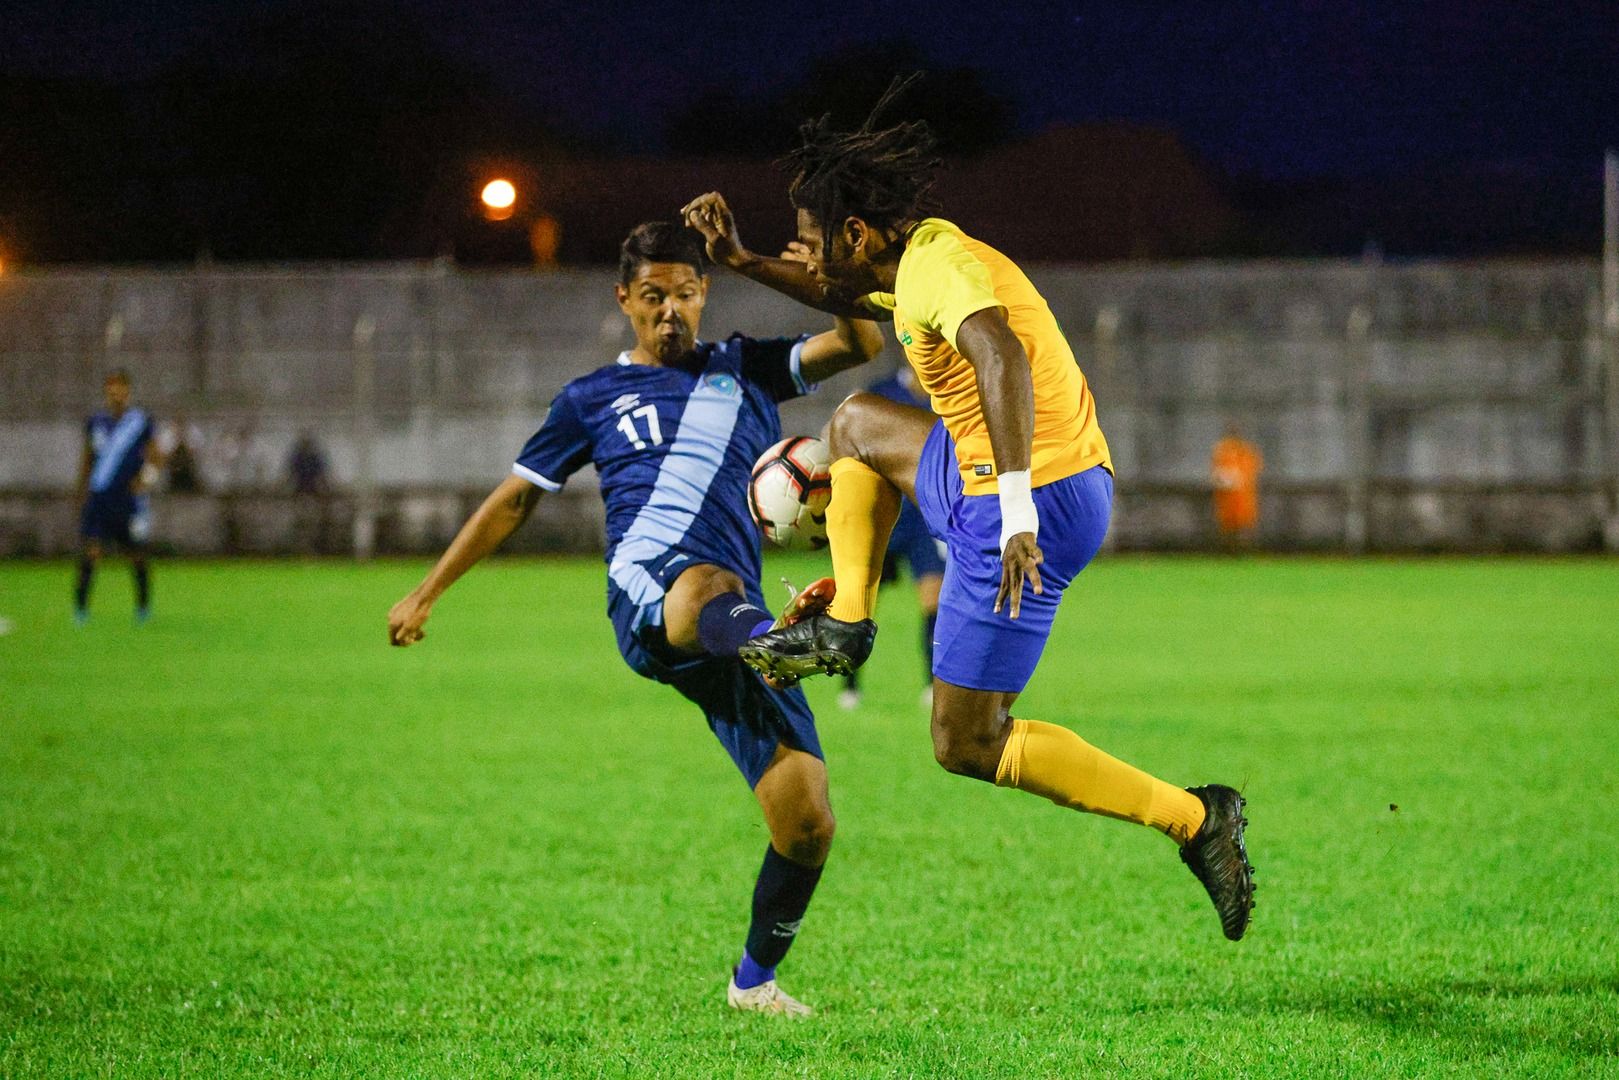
x,y
973,646
118,516
914,542
747,717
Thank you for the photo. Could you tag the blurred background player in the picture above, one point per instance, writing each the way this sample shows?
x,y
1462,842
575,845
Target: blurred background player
x,y
912,543
1013,474
119,463
308,472
1234,468
180,443
673,429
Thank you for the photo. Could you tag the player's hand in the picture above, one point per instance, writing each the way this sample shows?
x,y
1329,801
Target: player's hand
x,y
1019,562
405,620
798,252
710,215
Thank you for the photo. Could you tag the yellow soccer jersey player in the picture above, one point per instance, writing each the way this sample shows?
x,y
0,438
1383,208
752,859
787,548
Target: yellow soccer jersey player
x,y
1012,474
945,276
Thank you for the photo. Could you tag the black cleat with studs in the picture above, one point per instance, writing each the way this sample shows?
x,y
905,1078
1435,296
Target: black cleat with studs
x,y
816,645
1218,855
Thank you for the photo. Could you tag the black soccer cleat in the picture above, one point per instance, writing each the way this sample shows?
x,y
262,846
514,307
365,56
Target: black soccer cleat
x,y
810,646
1219,857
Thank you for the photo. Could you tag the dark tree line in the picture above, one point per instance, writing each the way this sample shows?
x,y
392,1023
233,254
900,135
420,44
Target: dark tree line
x,y
345,131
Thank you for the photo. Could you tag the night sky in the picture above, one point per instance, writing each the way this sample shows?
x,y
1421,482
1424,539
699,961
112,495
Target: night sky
x,y
1269,90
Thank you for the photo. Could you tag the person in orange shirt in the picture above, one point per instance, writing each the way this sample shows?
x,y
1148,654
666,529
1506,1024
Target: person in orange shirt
x,y
1010,470
1234,469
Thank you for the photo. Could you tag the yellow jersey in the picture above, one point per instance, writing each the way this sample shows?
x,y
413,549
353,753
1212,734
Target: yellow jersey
x,y
944,276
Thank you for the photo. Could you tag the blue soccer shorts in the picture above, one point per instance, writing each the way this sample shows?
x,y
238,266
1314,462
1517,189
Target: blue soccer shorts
x,y
749,718
118,516
973,646
913,541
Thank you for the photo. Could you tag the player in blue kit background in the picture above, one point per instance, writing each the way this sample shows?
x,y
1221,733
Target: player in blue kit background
x,y
673,429
120,458
912,543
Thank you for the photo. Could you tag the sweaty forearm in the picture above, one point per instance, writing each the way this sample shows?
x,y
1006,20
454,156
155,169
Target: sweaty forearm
x,y
792,279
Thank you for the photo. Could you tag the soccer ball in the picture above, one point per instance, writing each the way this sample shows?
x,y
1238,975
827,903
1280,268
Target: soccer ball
x,y
791,485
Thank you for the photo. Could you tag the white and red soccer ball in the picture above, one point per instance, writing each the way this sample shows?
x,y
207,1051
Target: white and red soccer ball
x,y
791,485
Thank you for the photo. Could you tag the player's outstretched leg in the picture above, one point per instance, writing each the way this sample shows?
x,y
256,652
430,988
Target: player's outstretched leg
x,y
707,611
974,735
798,812
876,444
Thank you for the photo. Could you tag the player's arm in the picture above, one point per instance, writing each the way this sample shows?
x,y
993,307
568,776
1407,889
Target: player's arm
x,y
506,508
850,343
154,458
1006,388
710,215
87,459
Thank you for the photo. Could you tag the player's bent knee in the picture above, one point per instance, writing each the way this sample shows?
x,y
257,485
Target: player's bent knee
x,y
847,432
970,753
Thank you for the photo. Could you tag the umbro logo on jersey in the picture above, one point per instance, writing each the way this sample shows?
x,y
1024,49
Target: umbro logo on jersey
x,y
625,402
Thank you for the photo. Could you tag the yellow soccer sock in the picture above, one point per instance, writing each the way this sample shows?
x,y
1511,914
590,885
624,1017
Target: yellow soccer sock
x,y
1051,761
859,519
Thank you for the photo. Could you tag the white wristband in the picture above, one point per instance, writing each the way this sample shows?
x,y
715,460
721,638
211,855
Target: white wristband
x,y
1018,514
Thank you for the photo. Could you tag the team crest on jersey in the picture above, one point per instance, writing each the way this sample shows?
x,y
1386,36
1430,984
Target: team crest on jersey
x,y
905,337
723,383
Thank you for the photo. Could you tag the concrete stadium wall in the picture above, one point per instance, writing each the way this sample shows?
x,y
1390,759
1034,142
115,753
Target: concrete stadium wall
x,y
1432,406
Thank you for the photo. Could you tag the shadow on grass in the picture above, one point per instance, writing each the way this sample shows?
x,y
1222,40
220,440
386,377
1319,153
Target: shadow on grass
x,y
1459,1014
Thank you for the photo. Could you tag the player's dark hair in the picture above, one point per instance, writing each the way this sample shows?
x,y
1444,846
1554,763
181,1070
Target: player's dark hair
x,y
884,176
660,242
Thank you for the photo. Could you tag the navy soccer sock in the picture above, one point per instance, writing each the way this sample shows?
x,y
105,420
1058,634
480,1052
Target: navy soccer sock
x,y
929,622
81,589
780,898
727,622
143,585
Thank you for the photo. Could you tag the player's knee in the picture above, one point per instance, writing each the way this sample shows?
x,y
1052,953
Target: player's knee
x,y
846,433
965,756
968,750
807,839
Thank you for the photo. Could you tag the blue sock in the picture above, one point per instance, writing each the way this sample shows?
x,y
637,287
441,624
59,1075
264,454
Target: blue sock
x,y
750,974
727,622
780,898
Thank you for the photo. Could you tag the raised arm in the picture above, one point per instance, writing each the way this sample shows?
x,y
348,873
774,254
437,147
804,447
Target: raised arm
x,y
710,215
850,343
1006,388
507,507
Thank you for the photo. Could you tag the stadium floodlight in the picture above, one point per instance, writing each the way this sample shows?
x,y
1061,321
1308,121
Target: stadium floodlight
x,y
499,197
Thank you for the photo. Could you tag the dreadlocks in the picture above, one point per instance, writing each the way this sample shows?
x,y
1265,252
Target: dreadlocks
x,y
884,176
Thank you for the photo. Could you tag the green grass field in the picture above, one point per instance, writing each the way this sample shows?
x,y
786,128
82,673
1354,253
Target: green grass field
x,y
251,840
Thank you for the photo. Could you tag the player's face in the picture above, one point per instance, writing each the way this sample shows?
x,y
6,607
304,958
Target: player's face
x,y
117,392
841,268
664,303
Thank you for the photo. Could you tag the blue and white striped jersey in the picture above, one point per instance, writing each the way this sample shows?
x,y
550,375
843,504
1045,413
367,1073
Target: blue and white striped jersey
x,y
117,448
674,447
